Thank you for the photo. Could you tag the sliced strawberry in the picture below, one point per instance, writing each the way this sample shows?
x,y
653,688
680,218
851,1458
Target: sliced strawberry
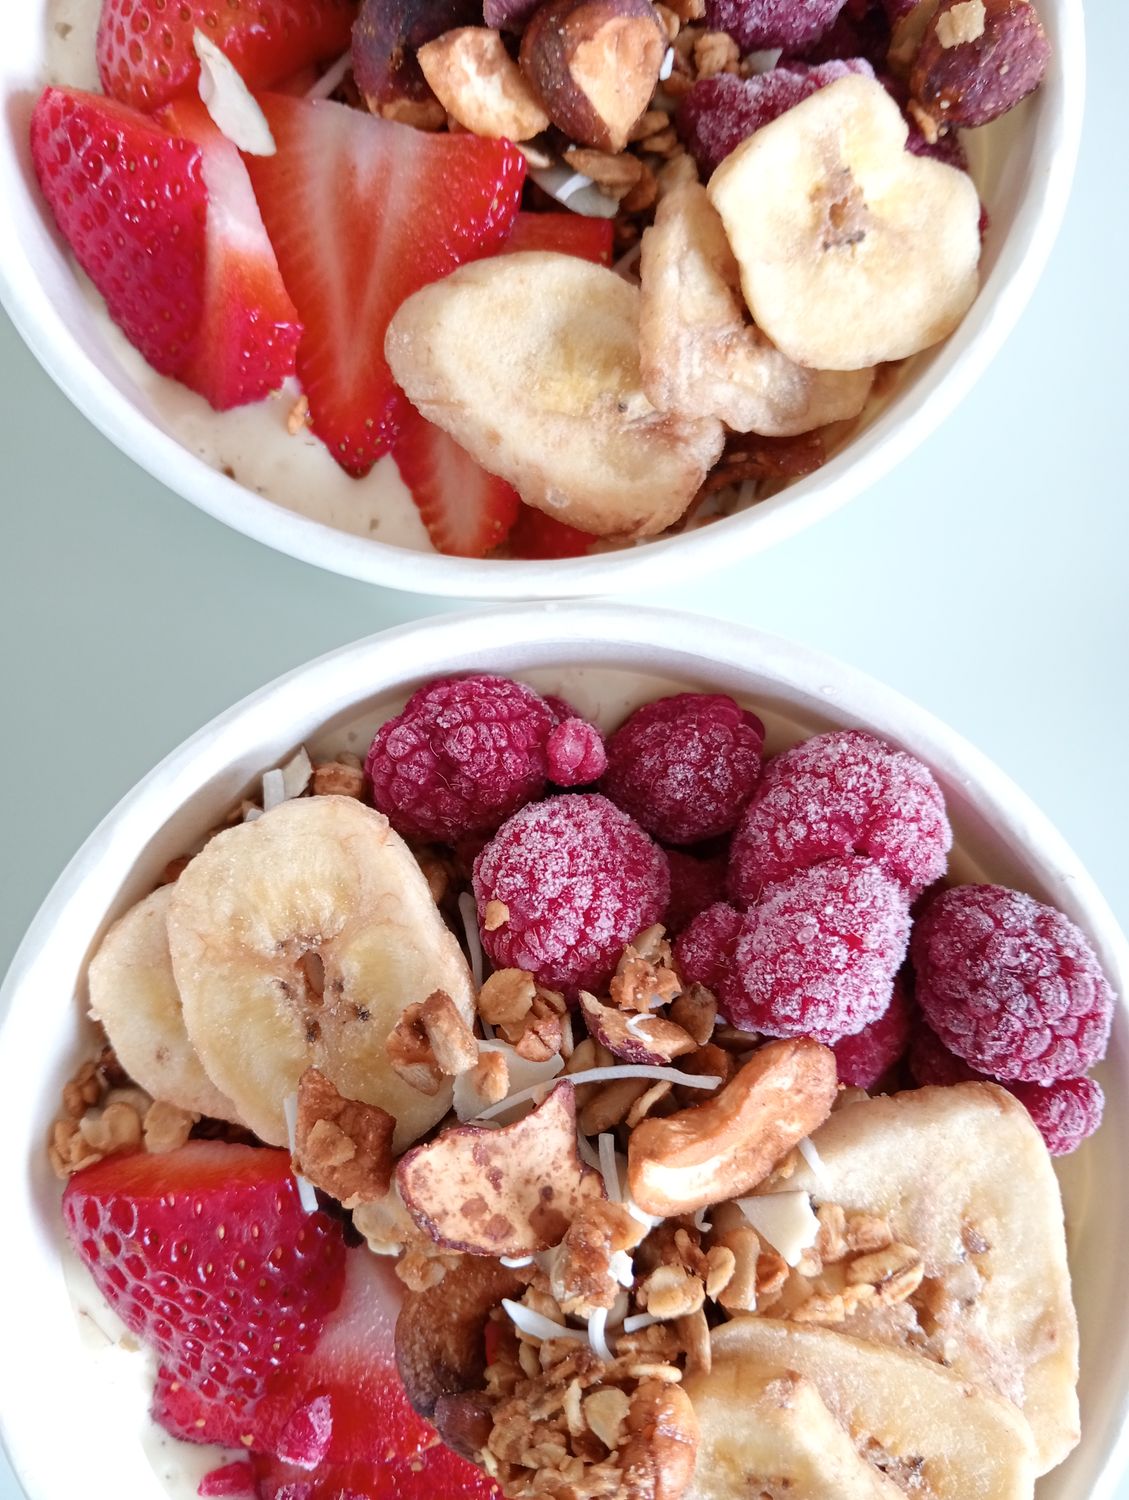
x,y
570,234
363,212
438,1474
130,200
145,53
467,511
536,535
249,331
206,1254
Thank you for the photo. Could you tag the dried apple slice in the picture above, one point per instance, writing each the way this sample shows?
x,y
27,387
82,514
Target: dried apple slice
x,y
852,250
507,1192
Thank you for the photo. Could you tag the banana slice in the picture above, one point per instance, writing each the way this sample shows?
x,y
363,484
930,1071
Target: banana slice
x,y
852,250
766,1432
298,940
699,354
531,362
962,1175
134,995
932,1434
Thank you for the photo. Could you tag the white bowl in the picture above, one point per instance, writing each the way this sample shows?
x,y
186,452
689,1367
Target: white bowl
x,y
1023,164
56,1417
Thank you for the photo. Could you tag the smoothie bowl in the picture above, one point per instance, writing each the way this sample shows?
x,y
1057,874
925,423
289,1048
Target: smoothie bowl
x,y
654,1196
261,330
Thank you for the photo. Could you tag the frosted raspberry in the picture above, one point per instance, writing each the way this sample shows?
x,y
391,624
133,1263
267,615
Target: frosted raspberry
x,y
835,795
1011,985
560,708
685,766
818,955
758,24
716,114
864,1058
703,954
1066,1112
578,879
576,754
463,755
859,30
930,1061
695,883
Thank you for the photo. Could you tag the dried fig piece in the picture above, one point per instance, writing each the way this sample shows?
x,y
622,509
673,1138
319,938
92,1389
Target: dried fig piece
x,y
977,60
440,1348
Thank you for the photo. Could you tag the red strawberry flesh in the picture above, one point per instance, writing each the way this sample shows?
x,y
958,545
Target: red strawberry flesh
x,y
249,331
363,212
467,512
130,200
208,1257
569,234
146,57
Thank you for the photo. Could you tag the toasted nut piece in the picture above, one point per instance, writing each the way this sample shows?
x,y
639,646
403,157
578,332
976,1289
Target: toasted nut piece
x,y
701,356
166,1126
637,1038
605,1411
452,1041
610,1104
657,1461
496,915
410,1054
647,1102
977,60
439,1340
477,81
335,779
505,998
343,1146
867,1232
581,1278
670,1292
614,175
726,1146
594,65
695,1010
489,1079
501,1192
895,1273
722,1267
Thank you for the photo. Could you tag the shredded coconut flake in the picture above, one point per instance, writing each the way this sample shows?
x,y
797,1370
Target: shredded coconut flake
x,y
536,1325
274,790
637,1321
332,78
607,1075
296,775
626,264
622,1268
667,66
597,1335
648,1221
700,1221
608,1166
514,1261
229,101
469,913
576,191
636,1023
812,1157
307,1197
586,1153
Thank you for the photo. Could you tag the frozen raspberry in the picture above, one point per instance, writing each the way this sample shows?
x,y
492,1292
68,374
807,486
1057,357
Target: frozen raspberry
x,y
578,879
703,954
818,955
463,755
835,795
560,708
1011,985
859,30
695,883
930,1061
760,24
865,1057
576,754
1066,1112
685,766
716,114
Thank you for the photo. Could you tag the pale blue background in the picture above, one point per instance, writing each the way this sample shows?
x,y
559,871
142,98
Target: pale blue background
x,y
986,578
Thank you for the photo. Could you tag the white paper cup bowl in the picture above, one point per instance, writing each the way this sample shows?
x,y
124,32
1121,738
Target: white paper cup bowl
x,y
1023,163
56,1418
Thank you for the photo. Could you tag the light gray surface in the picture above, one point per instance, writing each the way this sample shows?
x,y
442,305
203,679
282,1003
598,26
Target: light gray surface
x,y
986,578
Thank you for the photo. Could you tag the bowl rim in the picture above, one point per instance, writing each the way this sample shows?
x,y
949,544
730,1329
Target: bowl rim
x,y
958,364
516,638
